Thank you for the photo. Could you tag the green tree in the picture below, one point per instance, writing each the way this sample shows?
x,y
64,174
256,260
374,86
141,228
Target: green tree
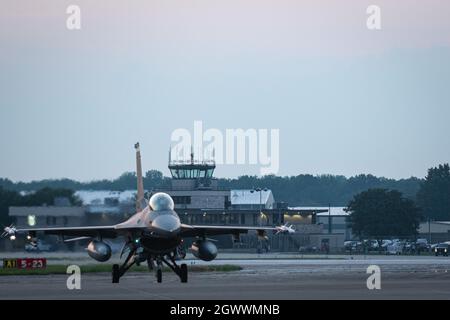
x,y
154,175
434,193
154,179
47,196
126,181
7,198
382,213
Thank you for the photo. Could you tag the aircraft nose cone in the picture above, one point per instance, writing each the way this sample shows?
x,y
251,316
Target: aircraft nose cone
x,y
166,225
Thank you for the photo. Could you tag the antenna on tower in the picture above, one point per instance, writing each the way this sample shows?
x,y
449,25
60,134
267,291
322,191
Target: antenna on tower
x,y
170,154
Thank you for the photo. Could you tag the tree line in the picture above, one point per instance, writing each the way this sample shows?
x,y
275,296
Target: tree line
x,y
300,190
382,213
378,206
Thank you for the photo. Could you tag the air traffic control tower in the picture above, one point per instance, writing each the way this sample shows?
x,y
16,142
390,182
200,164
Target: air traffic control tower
x,y
193,174
193,185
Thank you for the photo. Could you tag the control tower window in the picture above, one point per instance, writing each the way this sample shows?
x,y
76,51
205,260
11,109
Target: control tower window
x,y
182,200
202,172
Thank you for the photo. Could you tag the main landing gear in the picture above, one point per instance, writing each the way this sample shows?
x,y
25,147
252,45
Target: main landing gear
x,y
119,271
133,258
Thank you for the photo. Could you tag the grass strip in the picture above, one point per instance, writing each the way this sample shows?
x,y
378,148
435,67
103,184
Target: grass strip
x,y
95,268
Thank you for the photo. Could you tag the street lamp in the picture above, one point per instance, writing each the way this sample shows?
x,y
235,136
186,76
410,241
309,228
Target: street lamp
x,y
260,190
329,218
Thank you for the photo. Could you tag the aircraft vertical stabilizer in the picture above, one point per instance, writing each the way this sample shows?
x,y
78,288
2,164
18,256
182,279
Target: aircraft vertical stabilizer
x,y
140,203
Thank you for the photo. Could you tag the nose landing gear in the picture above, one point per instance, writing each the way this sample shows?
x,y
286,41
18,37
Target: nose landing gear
x,y
159,271
180,271
184,273
132,259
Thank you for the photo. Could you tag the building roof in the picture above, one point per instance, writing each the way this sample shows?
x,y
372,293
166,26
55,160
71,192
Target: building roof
x,y
101,209
46,211
90,197
442,222
335,211
242,197
434,227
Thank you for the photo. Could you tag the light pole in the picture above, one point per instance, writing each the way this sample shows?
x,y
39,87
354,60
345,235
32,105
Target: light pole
x,y
329,218
429,230
260,190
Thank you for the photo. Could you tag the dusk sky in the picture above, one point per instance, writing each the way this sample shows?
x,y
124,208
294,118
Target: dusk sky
x,y
347,100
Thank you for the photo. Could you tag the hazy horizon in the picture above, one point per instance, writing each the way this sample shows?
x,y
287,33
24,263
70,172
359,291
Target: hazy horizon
x,y
215,175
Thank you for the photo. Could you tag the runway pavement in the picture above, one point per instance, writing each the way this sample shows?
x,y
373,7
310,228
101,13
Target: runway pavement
x,y
268,279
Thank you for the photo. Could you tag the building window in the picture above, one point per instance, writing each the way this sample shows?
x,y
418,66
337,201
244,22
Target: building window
x,y
210,173
234,219
276,219
182,199
51,221
227,203
223,218
31,220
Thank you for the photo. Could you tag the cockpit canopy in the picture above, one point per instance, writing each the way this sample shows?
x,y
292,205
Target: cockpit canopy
x,y
161,202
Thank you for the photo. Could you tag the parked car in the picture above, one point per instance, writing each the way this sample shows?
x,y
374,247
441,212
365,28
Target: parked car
x,y
353,246
410,247
348,245
371,245
396,247
385,244
441,249
422,245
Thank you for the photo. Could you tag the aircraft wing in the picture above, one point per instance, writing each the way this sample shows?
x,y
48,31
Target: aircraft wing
x,y
201,231
89,231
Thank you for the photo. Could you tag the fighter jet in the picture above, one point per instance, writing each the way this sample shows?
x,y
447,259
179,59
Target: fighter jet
x,y
154,235
286,229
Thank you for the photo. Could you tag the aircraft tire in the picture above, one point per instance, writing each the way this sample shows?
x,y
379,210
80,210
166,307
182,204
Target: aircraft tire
x,y
115,273
184,273
159,275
